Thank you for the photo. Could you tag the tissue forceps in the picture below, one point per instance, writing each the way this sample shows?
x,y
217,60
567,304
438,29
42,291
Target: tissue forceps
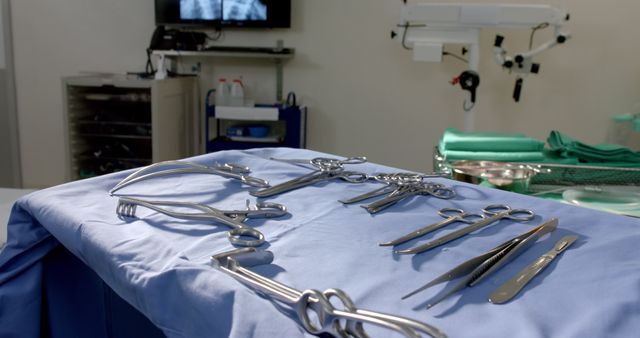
x,y
180,167
348,322
451,215
478,268
326,169
231,218
495,212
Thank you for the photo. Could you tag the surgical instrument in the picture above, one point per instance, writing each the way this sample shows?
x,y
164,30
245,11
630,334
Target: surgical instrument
x,y
476,269
392,181
347,322
423,188
495,212
451,215
326,169
323,162
231,218
426,28
182,167
509,289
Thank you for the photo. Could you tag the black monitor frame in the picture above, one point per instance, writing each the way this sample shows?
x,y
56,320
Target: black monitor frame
x,y
167,13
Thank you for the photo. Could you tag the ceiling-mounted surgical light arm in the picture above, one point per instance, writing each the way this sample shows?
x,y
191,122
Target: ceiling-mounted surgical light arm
x,y
425,29
522,63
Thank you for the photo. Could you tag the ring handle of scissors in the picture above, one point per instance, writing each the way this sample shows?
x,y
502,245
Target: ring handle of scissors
x,y
460,215
353,176
354,160
235,236
450,212
441,192
526,215
507,212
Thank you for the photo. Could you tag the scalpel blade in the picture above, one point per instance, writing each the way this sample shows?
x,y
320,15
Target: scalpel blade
x,y
509,289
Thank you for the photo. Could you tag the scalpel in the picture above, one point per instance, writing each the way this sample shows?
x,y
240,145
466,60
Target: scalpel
x,y
511,288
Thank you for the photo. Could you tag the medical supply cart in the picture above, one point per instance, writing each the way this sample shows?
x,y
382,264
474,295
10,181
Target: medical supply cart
x,y
115,123
256,127
262,125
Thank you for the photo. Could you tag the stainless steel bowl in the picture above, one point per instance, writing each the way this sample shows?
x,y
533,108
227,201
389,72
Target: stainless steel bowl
x,y
502,175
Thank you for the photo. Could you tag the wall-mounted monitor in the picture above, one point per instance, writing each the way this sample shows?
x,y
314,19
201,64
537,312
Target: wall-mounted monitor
x,y
224,13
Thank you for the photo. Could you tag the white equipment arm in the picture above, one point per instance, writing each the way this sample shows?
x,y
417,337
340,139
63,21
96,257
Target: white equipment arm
x,y
427,27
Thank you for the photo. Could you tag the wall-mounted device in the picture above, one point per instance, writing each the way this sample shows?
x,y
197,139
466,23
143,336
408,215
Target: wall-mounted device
x,y
426,27
224,13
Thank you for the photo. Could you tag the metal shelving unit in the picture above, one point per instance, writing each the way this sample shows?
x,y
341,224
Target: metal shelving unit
x,y
278,59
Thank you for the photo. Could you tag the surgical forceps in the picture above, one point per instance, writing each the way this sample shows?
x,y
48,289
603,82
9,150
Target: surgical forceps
x,y
326,169
392,181
403,191
231,218
323,162
347,322
495,212
477,268
181,167
451,215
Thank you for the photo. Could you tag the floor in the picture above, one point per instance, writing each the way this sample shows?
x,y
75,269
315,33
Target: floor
x,y
7,198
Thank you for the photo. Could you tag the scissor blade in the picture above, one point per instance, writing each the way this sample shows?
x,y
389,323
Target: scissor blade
x,y
391,199
451,236
365,196
419,232
289,185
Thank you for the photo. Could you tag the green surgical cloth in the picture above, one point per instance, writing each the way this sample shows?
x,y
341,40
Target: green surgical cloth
x,y
603,154
457,145
453,139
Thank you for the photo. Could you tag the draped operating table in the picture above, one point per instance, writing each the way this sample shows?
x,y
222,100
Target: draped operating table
x,y
73,268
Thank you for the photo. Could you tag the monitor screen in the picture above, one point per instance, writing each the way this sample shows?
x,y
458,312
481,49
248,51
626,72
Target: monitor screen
x,y
224,13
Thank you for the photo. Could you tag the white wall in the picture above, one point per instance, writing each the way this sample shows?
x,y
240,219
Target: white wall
x,y
60,38
365,95
2,47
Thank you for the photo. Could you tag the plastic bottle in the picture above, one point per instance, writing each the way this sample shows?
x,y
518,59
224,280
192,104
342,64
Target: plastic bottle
x,y
237,93
222,92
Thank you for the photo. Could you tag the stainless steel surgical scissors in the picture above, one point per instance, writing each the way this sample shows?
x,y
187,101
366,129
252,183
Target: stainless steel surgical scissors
x,y
326,169
451,215
231,218
495,212
347,322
